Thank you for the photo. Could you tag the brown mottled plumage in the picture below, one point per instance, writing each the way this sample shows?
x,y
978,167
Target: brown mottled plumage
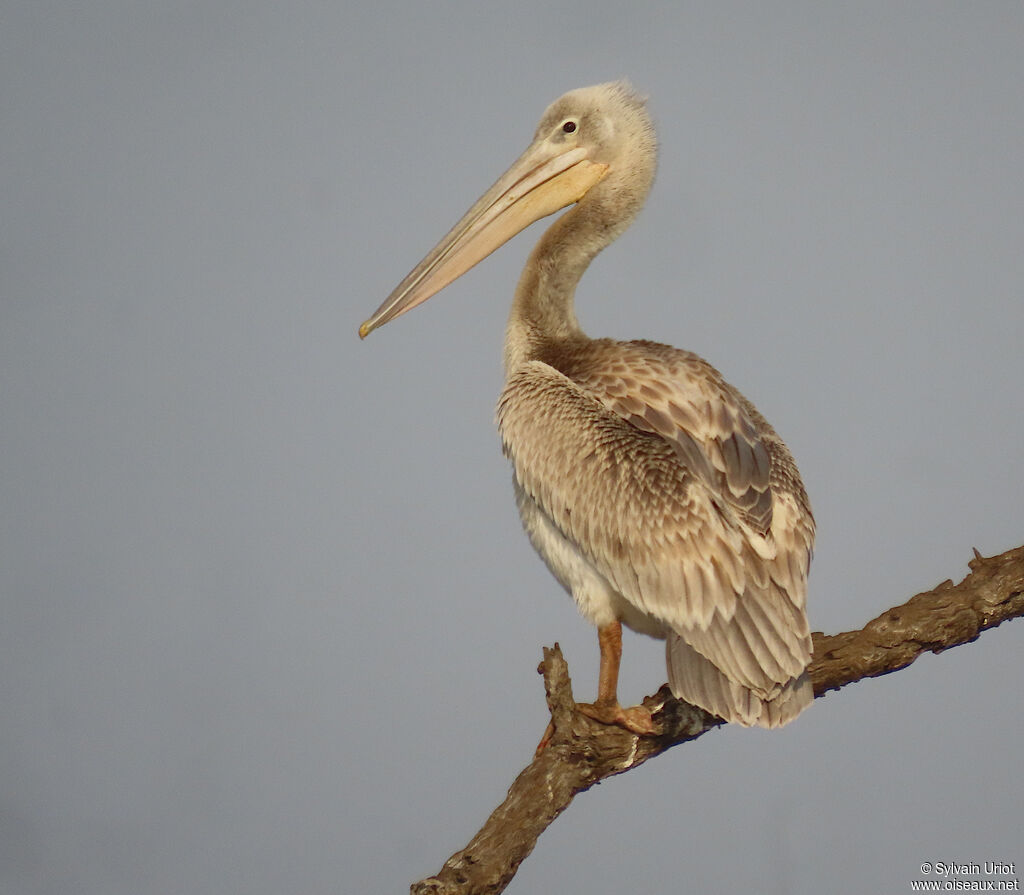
x,y
655,492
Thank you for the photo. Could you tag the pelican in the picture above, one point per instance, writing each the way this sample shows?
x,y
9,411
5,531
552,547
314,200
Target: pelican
x,y
655,492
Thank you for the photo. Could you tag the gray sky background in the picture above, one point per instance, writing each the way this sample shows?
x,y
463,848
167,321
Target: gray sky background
x,y
269,623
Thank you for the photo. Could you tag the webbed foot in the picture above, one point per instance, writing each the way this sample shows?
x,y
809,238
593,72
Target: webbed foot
x,y
636,719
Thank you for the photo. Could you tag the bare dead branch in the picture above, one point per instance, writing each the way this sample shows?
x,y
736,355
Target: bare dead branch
x,y
583,752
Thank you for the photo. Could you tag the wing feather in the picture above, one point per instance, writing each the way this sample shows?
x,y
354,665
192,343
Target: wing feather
x,y
684,499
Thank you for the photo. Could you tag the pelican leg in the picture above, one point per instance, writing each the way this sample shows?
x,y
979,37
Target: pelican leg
x,y
636,719
606,709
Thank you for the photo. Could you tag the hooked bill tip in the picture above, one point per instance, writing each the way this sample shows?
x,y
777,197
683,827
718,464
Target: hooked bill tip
x,y
365,329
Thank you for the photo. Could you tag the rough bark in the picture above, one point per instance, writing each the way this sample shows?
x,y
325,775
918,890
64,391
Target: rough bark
x,y
583,752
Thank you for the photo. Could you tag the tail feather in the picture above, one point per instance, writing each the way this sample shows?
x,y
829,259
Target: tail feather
x,y
695,679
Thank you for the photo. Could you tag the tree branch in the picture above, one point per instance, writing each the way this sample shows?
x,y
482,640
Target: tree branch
x,y
583,752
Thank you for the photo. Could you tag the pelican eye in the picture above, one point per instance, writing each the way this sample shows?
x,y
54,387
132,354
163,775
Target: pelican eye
x,y
569,126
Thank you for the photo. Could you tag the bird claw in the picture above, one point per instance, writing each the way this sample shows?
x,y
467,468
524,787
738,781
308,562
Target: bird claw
x,y
636,719
549,732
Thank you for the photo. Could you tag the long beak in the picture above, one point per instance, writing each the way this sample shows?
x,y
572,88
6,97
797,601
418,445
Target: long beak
x,y
543,180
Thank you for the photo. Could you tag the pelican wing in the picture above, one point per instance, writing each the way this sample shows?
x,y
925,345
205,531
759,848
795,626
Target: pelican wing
x,y
678,493
682,398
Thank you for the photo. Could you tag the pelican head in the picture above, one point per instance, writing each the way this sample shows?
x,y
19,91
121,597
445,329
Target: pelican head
x,y
595,146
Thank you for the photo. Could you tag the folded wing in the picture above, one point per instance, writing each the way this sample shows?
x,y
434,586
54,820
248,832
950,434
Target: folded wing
x,y
684,499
